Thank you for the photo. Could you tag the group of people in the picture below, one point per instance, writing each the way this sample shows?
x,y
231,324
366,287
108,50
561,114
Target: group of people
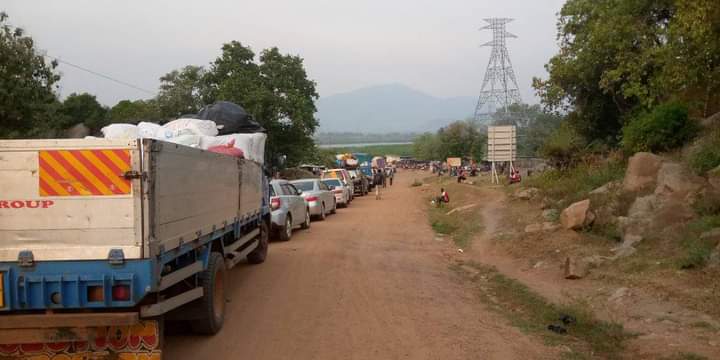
x,y
384,176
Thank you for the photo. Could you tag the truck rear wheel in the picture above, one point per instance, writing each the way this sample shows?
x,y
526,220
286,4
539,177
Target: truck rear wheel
x,y
258,255
212,304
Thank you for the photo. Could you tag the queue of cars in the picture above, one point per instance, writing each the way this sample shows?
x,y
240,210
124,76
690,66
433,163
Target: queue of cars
x,y
295,203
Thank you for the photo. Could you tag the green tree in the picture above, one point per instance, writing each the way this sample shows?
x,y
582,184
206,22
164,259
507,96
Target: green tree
x,y
276,90
133,112
83,108
427,147
180,92
608,64
27,85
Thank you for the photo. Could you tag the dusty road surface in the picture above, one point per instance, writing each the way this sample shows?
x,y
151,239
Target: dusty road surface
x,y
367,283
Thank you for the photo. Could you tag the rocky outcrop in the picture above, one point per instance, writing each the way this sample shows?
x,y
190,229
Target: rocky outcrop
x,y
642,172
674,180
607,188
577,216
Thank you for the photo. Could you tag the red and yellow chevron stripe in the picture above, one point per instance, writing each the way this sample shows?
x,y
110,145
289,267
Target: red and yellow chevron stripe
x,y
84,172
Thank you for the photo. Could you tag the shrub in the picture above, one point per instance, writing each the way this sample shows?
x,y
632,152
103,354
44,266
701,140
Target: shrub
x,y
664,128
563,147
707,155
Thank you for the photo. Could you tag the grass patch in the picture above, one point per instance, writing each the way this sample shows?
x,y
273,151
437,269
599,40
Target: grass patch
x,y
707,155
697,251
533,314
565,187
460,228
416,183
704,325
685,356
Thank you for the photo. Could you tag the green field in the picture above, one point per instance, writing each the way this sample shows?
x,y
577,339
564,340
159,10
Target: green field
x,y
378,150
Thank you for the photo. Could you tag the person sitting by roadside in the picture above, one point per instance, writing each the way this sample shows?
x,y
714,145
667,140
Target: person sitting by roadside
x,y
444,198
461,176
515,176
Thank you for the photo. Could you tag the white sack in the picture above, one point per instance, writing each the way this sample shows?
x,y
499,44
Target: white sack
x,y
120,131
148,130
252,145
192,127
187,140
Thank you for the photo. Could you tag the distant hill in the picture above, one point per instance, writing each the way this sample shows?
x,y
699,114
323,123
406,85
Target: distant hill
x,y
390,108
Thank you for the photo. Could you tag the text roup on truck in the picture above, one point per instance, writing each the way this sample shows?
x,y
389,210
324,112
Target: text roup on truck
x,y
26,204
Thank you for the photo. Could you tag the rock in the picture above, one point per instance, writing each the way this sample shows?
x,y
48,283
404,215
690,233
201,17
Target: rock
x,y
533,228
577,215
643,207
642,171
714,178
549,226
606,189
575,270
619,294
675,180
526,194
78,131
545,204
550,214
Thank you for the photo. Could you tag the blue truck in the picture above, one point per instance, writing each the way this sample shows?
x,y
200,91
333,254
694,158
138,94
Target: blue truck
x,y
101,241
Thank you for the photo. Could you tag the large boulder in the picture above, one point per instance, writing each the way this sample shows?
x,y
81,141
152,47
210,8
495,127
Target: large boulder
x,y
526,194
577,216
642,171
674,180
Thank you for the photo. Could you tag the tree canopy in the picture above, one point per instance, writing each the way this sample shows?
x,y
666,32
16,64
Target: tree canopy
x,y
27,85
619,58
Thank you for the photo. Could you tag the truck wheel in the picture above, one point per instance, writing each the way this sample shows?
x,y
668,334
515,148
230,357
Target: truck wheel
x,y
285,232
306,224
212,304
258,255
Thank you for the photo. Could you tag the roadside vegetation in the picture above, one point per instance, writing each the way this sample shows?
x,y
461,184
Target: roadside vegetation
x,y
574,324
460,219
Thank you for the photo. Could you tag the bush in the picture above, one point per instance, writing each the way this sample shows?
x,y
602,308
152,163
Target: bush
x,y
564,146
664,128
707,155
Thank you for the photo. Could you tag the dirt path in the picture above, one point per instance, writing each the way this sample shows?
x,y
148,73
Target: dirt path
x,y
368,283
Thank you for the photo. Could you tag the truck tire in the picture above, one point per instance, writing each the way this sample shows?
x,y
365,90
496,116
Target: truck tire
x,y
258,255
212,304
285,233
306,225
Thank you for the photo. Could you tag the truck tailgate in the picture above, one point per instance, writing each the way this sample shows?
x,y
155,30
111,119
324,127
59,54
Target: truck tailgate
x,y
69,199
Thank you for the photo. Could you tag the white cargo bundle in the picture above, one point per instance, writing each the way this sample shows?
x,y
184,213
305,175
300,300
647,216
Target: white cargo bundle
x,y
190,132
252,145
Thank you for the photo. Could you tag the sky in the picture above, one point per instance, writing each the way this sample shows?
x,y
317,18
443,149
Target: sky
x,y
432,46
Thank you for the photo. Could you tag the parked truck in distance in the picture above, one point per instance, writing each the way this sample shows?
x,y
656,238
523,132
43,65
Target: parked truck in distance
x,y
102,240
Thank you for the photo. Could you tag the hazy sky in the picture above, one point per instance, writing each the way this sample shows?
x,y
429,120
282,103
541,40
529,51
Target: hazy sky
x,y
432,46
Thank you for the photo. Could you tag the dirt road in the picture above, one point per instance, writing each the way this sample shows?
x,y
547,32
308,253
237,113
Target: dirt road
x,y
367,283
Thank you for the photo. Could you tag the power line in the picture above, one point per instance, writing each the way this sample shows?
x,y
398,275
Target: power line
x,y
106,77
101,75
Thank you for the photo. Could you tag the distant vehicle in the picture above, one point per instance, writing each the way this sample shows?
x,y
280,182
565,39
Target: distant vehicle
x,y
368,172
360,182
321,201
341,174
341,192
315,169
289,209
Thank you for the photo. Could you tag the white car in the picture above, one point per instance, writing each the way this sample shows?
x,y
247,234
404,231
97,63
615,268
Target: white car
x,y
341,191
289,209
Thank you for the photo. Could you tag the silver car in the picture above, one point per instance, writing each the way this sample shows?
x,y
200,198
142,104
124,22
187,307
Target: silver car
x,y
289,209
321,201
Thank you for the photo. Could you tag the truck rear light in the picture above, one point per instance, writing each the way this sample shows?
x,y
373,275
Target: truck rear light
x,y
275,203
311,198
121,293
95,294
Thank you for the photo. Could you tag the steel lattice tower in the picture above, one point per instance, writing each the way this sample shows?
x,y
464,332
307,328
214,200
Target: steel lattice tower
x,y
499,89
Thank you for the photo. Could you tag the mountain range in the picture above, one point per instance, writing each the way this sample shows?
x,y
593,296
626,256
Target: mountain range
x,y
390,108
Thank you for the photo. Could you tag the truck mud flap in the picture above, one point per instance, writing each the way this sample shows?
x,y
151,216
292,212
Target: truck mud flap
x,y
141,341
